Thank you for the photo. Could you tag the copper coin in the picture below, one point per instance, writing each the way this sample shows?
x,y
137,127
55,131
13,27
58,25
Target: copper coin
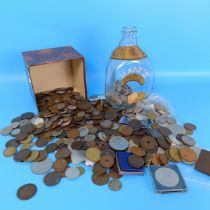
x,y
188,155
63,153
93,154
163,159
12,143
29,128
138,151
52,178
9,151
73,133
22,155
83,105
51,147
90,144
163,143
107,161
101,179
42,155
135,161
33,156
76,145
156,159
148,143
60,165
26,191
164,131
22,136
98,168
41,142
114,174
126,130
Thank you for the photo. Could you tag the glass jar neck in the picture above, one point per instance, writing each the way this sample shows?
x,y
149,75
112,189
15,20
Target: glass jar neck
x,y
129,36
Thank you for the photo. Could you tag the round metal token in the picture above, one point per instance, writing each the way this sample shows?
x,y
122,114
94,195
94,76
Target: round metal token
x,y
118,143
9,151
101,179
188,140
72,173
41,167
166,177
107,161
115,185
26,191
135,161
22,155
52,178
93,154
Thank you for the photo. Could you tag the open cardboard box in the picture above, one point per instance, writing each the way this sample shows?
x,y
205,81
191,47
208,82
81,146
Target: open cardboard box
x,y
53,68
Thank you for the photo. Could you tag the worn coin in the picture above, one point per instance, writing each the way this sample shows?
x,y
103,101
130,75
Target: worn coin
x,y
26,191
60,164
188,155
72,173
22,155
100,179
107,161
51,147
188,140
148,143
52,178
12,143
135,161
73,133
83,131
6,131
9,151
93,154
42,155
106,124
82,170
138,151
41,142
190,126
33,156
111,114
174,154
98,168
115,185
118,143
41,167
125,130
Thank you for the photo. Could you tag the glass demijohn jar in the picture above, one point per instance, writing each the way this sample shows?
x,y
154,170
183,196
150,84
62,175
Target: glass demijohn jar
x,y
129,74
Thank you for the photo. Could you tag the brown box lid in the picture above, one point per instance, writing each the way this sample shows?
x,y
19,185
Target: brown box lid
x,y
53,68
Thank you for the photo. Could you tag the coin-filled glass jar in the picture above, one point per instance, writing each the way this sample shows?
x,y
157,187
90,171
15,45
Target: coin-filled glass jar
x,y
129,74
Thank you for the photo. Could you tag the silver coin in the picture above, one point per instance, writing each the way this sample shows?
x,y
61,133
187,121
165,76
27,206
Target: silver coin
x,y
23,122
166,177
15,132
41,167
118,143
72,173
83,131
90,137
115,185
6,131
176,129
14,125
102,136
37,121
188,140
161,119
106,124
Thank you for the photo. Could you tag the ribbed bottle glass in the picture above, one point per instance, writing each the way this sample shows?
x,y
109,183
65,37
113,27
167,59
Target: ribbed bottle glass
x,y
129,74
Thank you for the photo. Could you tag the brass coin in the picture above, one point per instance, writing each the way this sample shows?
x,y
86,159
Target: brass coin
x,y
93,154
107,161
9,151
174,154
82,170
60,165
188,155
101,179
138,151
33,156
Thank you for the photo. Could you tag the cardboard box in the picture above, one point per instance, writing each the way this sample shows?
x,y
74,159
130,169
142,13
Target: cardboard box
x,y
53,68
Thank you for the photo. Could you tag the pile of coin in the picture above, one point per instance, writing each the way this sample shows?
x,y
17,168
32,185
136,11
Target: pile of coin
x,y
78,131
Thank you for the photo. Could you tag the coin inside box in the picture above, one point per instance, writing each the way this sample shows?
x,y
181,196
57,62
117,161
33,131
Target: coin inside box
x,y
61,67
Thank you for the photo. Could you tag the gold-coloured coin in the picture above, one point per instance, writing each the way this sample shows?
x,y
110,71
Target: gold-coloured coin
x,y
33,156
9,151
82,170
174,154
151,115
25,146
93,154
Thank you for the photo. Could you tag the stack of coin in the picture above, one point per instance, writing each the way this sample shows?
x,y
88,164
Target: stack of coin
x,y
91,132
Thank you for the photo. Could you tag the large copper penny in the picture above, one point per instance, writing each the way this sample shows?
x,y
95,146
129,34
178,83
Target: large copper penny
x,y
98,168
126,130
73,133
174,154
26,191
52,178
188,155
60,165
148,143
135,161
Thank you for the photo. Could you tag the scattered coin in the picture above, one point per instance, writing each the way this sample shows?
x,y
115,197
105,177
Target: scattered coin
x,y
100,179
9,151
115,185
72,173
52,178
135,161
26,191
41,167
